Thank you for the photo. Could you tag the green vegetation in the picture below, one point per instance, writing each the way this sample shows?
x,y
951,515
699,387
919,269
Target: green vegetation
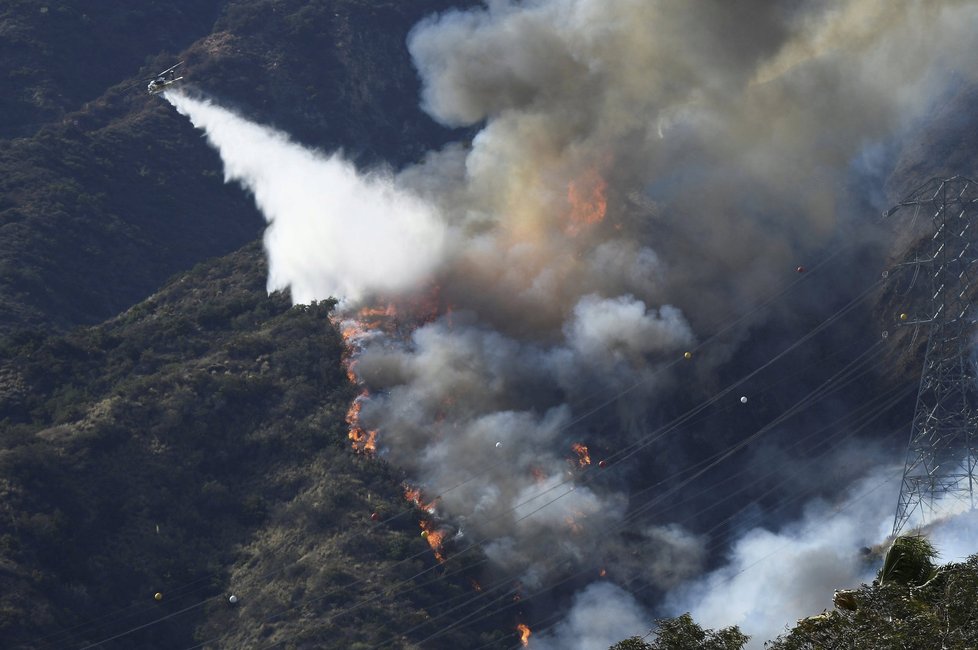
x,y
105,191
196,446
195,443
682,633
55,56
909,561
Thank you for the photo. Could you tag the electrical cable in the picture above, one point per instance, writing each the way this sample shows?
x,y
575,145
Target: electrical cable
x,y
630,516
619,457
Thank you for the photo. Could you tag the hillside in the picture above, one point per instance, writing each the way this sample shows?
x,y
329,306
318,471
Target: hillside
x,y
58,56
196,446
105,192
642,247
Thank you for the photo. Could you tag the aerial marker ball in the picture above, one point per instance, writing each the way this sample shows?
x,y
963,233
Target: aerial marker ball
x,y
688,356
424,534
904,316
374,516
602,464
743,399
800,269
233,599
157,596
498,445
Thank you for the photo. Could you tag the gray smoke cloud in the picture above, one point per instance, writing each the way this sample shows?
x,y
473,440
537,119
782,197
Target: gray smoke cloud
x,y
738,124
712,142
642,171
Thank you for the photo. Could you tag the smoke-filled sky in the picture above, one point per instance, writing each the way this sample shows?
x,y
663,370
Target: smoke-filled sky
x,y
643,172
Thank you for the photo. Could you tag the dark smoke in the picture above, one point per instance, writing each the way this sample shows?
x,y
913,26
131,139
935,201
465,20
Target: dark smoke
x,y
644,172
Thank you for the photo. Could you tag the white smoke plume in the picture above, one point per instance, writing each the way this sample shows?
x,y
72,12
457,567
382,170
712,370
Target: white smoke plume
x,y
323,216
773,578
954,537
643,172
602,615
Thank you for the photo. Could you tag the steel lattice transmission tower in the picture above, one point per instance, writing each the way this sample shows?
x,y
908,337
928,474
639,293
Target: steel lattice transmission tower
x,y
939,475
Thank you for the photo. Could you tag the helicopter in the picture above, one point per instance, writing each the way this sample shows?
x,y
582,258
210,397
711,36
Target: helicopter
x,y
163,80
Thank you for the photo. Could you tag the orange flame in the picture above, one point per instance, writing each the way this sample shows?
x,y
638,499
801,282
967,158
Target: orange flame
x,y
351,331
588,201
364,440
525,633
583,457
373,319
351,373
434,537
356,331
429,529
389,311
573,525
413,495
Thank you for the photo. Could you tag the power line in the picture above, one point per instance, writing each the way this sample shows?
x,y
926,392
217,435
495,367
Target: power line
x,y
618,457
942,454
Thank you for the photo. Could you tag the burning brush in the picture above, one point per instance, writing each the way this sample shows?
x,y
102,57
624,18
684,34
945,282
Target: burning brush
x,y
390,320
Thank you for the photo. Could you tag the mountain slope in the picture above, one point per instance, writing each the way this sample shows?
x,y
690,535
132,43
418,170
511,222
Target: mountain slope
x,y
111,197
56,56
196,446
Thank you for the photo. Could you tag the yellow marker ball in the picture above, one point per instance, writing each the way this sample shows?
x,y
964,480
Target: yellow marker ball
x,y
424,533
688,356
904,317
158,596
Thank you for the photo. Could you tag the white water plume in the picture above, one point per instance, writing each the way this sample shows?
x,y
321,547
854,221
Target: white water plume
x,y
642,172
333,232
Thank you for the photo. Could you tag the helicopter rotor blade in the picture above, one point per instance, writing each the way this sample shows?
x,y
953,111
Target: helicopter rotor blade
x,y
170,69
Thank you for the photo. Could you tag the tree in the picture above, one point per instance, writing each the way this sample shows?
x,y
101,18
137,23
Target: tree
x,y
912,605
909,561
682,633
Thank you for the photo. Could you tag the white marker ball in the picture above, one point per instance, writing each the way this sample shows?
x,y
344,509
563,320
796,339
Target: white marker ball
x,y
498,445
743,399
233,599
